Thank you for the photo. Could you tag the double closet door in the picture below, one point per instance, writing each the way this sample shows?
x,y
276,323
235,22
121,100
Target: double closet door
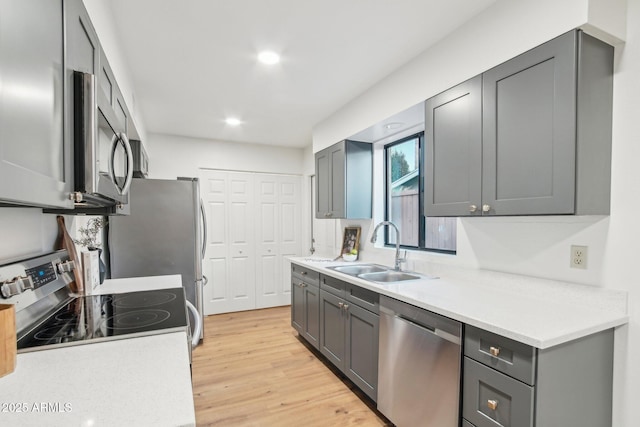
x,y
254,222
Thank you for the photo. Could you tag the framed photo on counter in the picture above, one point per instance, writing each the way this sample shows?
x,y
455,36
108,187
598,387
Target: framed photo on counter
x,y
351,241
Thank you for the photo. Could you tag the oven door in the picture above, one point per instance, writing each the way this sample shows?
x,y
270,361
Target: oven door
x,y
103,156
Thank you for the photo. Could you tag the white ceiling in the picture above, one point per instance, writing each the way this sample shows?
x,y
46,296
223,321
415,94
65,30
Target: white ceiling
x,y
193,62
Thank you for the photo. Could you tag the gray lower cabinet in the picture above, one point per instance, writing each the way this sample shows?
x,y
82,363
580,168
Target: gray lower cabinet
x,y
35,153
349,331
544,143
305,303
344,177
510,384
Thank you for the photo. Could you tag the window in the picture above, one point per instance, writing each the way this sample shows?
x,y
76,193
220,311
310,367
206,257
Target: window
x,y
404,201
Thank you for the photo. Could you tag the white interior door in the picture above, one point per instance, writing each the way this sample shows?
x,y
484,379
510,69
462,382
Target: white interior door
x,y
230,255
278,235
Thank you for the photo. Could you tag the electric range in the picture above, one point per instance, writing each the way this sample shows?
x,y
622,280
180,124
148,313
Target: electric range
x,y
49,315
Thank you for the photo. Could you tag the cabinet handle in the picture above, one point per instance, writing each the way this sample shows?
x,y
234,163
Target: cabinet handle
x,y
473,208
486,208
340,304
495,351
492,404
304,273
301,285
346,307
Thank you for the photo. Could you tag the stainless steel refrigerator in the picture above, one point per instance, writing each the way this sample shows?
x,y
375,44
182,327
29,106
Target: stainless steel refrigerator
x,y
165,233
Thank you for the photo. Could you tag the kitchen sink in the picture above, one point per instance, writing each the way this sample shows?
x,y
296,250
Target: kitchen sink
x,y
378,273
355,270
389,276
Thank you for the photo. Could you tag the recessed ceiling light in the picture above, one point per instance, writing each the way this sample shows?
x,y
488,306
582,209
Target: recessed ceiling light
x,y
232,121
268,57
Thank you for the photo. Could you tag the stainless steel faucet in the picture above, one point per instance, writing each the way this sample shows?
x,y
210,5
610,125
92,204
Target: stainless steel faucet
x,y
374,237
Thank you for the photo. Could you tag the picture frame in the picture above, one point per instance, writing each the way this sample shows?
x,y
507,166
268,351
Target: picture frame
x,y
351,241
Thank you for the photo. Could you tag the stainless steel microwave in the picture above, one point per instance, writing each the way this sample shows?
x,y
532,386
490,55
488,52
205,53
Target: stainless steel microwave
x,y
103,160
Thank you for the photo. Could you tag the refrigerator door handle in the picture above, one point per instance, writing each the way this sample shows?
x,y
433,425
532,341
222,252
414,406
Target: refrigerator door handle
x,y
195,338
204,228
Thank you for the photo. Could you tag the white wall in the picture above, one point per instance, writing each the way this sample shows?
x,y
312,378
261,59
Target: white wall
x,y
535,246
502,31
172,156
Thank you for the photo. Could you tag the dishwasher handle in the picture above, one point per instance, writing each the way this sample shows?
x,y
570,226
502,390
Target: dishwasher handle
x,y
432,330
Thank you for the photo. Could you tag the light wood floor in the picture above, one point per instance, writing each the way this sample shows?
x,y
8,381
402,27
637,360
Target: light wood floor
x,y
253,370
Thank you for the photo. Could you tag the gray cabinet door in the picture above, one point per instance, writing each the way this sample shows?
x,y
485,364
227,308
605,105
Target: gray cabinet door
x,y
361,358
529,119
344,180
338,181
323,183
492,399
35,155
312,314
453,133
82,45
332,328
330,182
297,305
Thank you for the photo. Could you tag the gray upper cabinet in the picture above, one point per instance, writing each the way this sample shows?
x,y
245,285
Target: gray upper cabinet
x,y
529,110
544,144
453,133
83,48
344,180
35,152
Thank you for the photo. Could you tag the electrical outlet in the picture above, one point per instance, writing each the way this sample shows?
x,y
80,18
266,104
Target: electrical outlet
x,y
578,257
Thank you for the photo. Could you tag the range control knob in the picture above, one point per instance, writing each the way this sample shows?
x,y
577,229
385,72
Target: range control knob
x,y
26,282
67,266
15,286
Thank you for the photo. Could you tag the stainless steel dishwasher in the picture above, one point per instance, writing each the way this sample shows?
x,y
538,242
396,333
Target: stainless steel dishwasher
x,y
418,366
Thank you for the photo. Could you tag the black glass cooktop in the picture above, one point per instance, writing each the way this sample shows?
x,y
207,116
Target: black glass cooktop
x,y
107,317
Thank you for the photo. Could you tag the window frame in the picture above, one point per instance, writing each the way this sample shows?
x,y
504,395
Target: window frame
x,y
421,214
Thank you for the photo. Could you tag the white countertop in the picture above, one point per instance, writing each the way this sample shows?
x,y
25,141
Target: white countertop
x,y
538,312
143,381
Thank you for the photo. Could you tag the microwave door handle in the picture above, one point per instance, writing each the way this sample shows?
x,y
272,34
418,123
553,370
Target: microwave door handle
x,y
112,160
127,146
204,228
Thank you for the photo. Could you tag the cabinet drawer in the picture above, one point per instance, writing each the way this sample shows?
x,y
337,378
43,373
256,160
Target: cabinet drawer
x,y
493,399
365,298
309,276
506,355
333,285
